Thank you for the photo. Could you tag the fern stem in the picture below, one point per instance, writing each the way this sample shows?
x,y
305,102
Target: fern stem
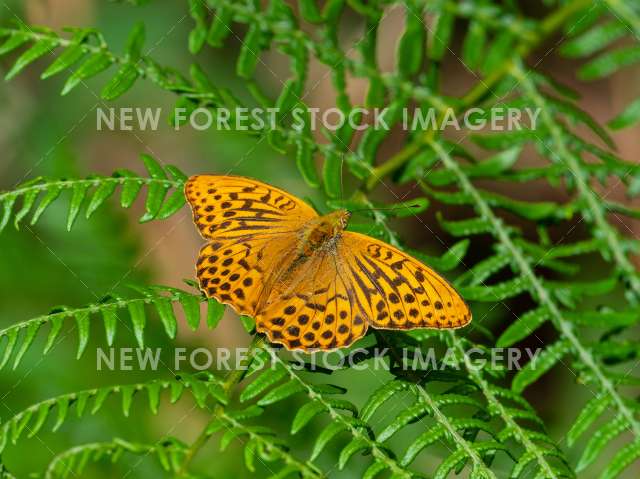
x,y
547,27
91,309
98,449
538,289
590,197
230,381
453,432
304,468
87,182
521,435
396,469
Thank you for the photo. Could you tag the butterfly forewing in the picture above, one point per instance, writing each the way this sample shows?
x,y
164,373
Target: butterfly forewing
x,y
231,207
396,290
252,228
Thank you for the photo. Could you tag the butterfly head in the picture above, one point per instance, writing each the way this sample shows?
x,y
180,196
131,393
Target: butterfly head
x,y
339,220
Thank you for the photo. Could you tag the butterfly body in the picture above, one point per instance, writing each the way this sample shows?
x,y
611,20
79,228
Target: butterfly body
x,y
308,282
323,232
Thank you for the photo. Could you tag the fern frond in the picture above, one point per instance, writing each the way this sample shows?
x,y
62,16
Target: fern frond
x,y
543,296
161,299
96,190
201,386
72,462
260,443
596,211
537,445
321,399
85,55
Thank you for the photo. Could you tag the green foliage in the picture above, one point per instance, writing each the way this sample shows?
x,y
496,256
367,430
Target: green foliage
x,y
115,312
96,189
469,418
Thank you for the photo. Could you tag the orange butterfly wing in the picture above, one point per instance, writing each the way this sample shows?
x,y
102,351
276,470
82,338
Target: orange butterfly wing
x,y
397,291
314,307
252,228
330,301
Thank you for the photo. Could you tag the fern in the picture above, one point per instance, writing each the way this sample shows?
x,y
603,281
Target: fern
x,y
96,190
33,418
169,453
20,336
470,419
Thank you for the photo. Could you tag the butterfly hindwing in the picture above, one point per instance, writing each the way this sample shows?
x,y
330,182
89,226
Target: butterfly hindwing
x,y
315,308
401,292
236,272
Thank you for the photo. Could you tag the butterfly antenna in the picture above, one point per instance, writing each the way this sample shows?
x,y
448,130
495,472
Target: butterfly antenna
x,y
342,178
391,208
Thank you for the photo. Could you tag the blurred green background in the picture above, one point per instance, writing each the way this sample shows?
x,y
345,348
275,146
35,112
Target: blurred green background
x,y
42,133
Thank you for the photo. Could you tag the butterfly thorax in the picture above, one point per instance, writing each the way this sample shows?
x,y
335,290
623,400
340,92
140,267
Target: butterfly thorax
x,y
323,231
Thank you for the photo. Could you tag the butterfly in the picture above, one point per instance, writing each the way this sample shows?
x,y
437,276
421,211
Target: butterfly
x,y
309,283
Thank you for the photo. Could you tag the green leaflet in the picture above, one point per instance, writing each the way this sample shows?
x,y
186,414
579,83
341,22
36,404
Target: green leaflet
x,y
167,316
280,393
412,43
65,61
599,440
123,80
495,292
157,190
215,311
38,50
327,434
262,383
628,117
28,338
594,39
588,415
135,42
49,196
94,65
27,203
305,414
332,174
542,363
441,35
100,195
78,194
356,445
306,164
499,51
522,327
622,459
425,440
609,62
474,43
15,40
449,260
249,54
